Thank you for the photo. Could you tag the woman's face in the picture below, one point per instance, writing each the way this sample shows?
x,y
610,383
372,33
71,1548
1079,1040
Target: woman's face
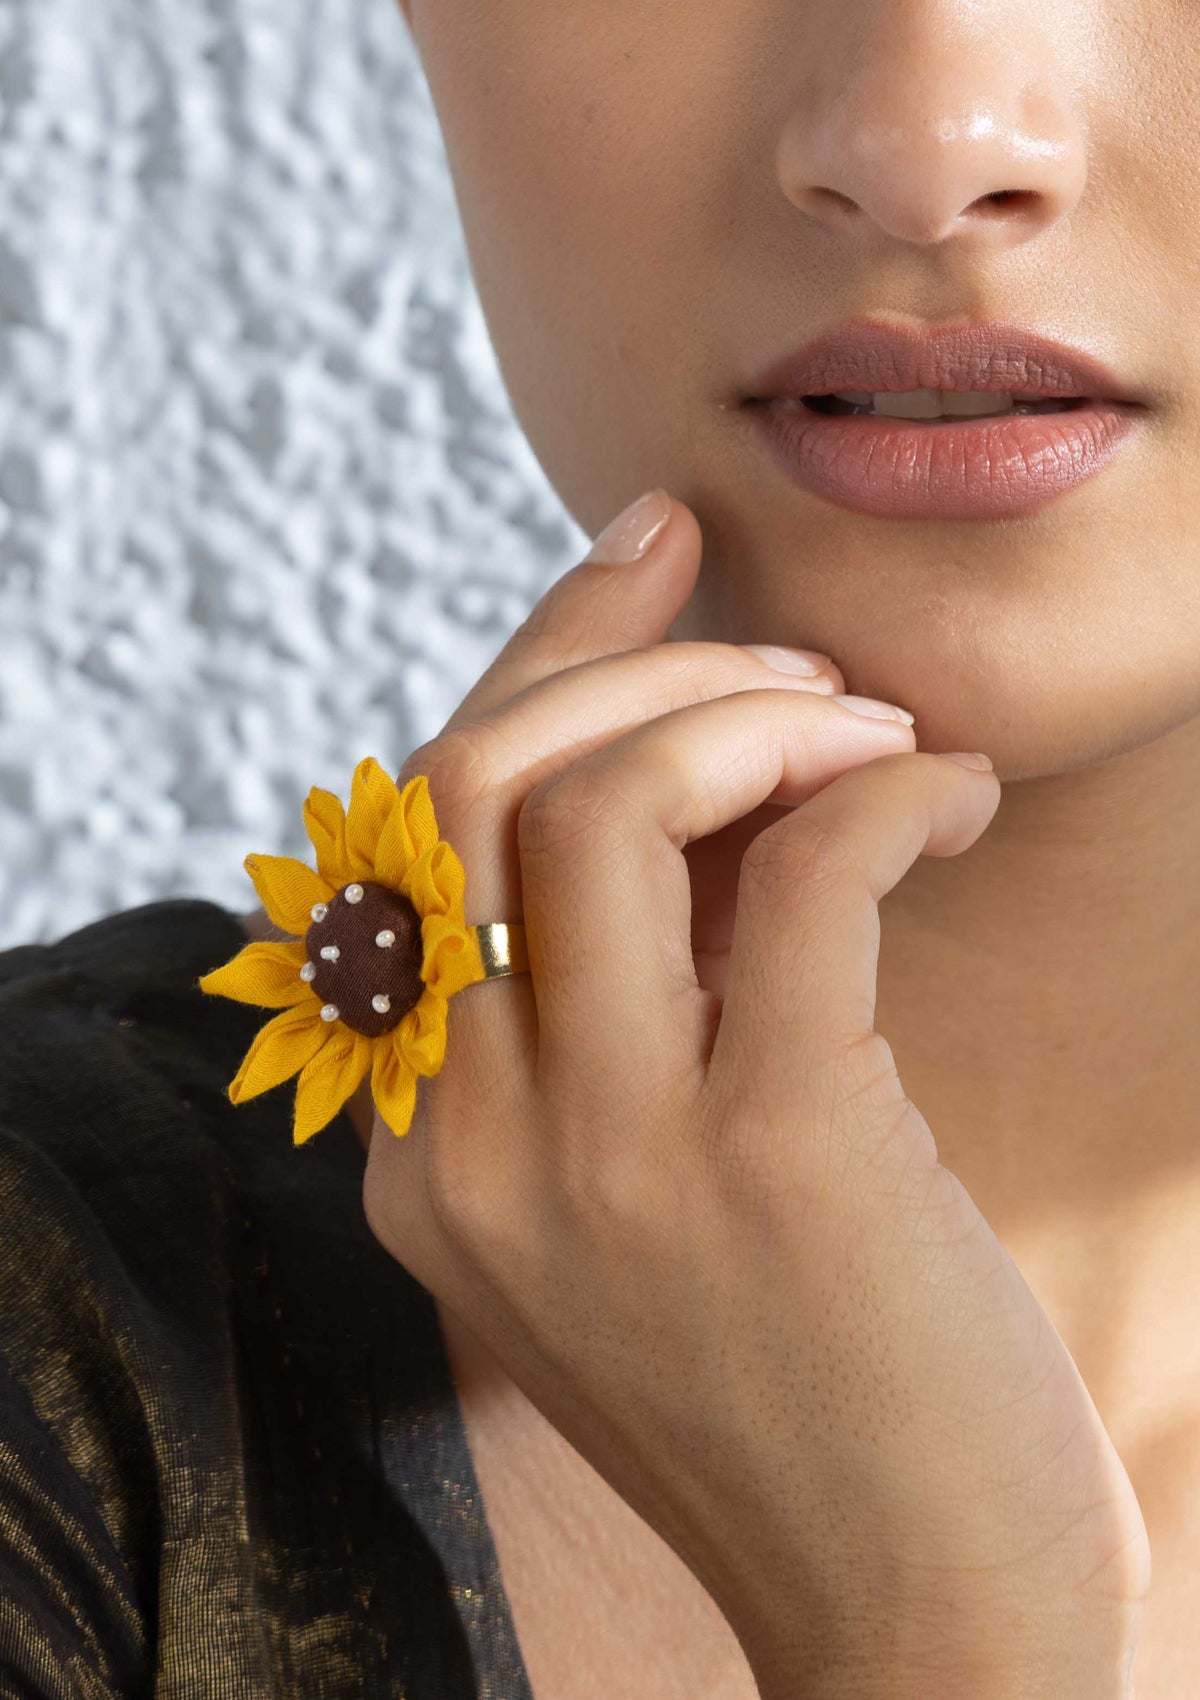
x,y
662,199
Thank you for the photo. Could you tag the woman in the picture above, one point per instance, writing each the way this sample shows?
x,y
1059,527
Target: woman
x,y
773,1381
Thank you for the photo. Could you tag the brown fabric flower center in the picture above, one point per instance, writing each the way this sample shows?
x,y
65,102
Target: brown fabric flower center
x,y
366,952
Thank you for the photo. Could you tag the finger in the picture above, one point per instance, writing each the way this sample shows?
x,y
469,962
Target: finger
x,y
602,606
605,882
568,714
803,963
483,769
480,775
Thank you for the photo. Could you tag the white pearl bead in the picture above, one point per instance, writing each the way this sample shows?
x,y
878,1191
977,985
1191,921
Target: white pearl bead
x,y
319,911
330,952
353,894
309,971
329,1012
385,939
381,1002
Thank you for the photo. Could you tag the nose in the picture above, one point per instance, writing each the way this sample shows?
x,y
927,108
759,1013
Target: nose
x,y
931,120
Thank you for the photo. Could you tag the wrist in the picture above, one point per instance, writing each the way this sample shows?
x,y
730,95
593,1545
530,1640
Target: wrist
x,y
1074,1674
886,1639
880,1662
1038,1685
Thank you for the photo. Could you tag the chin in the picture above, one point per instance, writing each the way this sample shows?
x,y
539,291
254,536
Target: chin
x,y
1041,730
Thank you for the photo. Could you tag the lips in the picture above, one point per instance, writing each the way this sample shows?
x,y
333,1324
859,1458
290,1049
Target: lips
x,y
950,469
863,355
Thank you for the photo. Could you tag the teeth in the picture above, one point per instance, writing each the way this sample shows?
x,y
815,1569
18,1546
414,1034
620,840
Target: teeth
x,y
972,404
908,404
933,404
928,404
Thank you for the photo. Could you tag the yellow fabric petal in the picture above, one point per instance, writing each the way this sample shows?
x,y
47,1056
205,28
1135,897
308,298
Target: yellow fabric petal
x,y
325,823
394,1089
450,956
328,1080
373,796
419,817
420,1038
287,890
280,1049
262,973
436,883
397,849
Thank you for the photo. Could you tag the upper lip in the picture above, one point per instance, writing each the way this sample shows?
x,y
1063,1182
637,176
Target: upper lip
x,y
863,354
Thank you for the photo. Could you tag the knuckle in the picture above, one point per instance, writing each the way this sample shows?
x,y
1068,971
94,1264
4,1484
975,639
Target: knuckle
x,y
457,766
773,1189
757,1165
845,1133
455,1196
467,1204
420,760
800,852
864,1075
375,1201
570,812
540,644
601,1183
618,1181
874,1111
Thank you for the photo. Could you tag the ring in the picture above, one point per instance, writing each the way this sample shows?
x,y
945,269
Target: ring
x,y
502,948
378,947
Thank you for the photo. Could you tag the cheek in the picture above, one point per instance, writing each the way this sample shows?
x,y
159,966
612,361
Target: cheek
x,y
530,110
590,185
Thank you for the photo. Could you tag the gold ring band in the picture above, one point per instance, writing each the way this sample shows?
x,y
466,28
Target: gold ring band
x,y
502,948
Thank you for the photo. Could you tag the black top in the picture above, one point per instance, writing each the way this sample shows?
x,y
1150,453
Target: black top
x,y
232,1461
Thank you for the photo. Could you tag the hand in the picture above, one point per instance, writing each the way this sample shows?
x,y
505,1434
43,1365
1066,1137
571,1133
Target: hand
x,y
672,1179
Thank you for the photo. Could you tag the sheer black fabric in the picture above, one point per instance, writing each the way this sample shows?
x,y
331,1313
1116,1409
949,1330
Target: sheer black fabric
x,y
232,1462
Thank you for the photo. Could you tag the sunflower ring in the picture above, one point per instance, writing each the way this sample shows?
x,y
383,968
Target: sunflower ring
x,y
379,945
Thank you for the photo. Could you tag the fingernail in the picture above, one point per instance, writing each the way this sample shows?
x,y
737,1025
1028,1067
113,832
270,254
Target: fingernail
x,y
628,537
969,758
875,710
785,660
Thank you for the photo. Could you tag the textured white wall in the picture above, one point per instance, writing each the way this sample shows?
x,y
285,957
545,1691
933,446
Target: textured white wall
x,y
264,508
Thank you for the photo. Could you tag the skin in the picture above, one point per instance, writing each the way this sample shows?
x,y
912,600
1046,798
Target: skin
x,y
657,203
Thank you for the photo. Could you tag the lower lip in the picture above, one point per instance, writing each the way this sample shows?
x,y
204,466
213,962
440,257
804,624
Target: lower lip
x,y
976,469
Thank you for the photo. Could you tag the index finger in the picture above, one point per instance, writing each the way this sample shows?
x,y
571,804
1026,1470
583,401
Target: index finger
x,y
600,605
625,594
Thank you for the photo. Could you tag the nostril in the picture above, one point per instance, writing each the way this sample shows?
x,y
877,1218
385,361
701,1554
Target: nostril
x,y
1009,200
